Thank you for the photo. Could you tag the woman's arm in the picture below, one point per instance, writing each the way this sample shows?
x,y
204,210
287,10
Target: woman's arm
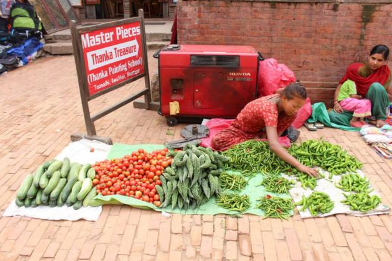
x,y
336,105
356,96
275,146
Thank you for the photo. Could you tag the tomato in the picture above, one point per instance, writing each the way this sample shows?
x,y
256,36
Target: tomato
x,y
95,182
158,182
145,198
151,194
156,197
157,203
138,194
151,186
150,175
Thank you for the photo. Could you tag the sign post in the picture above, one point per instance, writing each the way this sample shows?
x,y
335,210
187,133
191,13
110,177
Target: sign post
x,y
107,57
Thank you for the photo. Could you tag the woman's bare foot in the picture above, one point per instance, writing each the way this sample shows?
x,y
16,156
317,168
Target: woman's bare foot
x,y
380,123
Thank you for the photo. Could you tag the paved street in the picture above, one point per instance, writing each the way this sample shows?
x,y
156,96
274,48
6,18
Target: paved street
x,y
40,108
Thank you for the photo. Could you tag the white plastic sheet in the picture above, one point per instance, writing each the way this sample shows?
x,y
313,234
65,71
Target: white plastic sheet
x,y
328,186
79,151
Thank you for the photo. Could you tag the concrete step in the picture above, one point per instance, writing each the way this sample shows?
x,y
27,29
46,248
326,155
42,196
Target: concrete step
x,y
65,47
62,48
156,37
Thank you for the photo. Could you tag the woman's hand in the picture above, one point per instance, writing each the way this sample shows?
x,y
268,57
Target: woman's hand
x,y
337,108
307,170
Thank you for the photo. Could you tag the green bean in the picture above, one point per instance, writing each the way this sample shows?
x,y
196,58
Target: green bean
x,y
317,202
361,201
276,207
232,181
233,201
353,182
277,184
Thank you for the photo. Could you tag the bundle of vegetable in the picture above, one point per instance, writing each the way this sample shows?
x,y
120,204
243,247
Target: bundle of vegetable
x,y
192,178
329,157
276,207
353,182
277,184
306,180
133,175
317,202
232,181
55,183
233,201
361,201
255,156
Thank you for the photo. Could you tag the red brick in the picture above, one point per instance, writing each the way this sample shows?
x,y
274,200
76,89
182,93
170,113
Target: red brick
x,y
163,238
51,249
151,247
336,232
231,250
176,224
269,246
176,242
206,247
245,245
293,244
196,235
355,248
127,241
256,238
208,228
243,225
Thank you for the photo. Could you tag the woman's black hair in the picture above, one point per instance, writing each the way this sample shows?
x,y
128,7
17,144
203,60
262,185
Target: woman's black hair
x,y
295,90
380,49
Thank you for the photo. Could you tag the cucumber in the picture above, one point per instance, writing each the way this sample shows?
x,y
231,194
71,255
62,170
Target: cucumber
x,y
74,171
91,173
32,191
19,203
43,181
38,197
52,182
86,187
68,201
75,190
55,166
47,164
68,188
60,202
27,202
56,192
65,167
44,199
77,205
24,188
83,172
40,170
90,196
33,203
52,203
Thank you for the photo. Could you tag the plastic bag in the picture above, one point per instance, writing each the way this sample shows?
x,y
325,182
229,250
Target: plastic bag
x,y
273,76
369,130
303,114
375,138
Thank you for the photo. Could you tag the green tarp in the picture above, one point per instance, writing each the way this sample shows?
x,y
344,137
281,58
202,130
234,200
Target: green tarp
x,y
253,189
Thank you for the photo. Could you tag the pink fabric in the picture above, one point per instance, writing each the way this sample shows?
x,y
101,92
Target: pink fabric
x,y
216,125
360,107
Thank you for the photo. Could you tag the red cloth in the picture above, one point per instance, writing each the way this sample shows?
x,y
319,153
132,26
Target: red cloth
x,y
363,84
251,122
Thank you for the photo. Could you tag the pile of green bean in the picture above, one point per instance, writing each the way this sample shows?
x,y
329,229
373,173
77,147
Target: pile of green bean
x,y
306,180
233,201
317,202
361,201
232,181
255,157
276,207
329,157
277,184
353,182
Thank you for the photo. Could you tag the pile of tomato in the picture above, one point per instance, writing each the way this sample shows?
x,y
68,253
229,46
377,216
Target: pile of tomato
x,y
133,175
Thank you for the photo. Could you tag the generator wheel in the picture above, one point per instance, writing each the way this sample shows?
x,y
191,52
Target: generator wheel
x,y
171,121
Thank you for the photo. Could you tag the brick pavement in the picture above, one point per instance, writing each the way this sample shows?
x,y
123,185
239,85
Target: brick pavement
x,y
39,110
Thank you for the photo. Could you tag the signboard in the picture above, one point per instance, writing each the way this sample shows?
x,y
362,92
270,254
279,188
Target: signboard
x,y
76,3
112,55
109,56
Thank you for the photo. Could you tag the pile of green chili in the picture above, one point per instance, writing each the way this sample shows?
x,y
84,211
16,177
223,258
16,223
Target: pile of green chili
x,y
276,207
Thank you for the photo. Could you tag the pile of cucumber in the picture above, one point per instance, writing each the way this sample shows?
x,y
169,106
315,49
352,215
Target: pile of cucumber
x,y
56,183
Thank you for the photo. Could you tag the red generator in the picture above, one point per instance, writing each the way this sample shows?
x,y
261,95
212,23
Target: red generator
x,y
211,81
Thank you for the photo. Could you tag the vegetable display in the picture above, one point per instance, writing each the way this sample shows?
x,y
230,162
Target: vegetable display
x,y
192,179
233,201
361,201
317,202
232,181
277,184
353,182
276,207
134,175
54,183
